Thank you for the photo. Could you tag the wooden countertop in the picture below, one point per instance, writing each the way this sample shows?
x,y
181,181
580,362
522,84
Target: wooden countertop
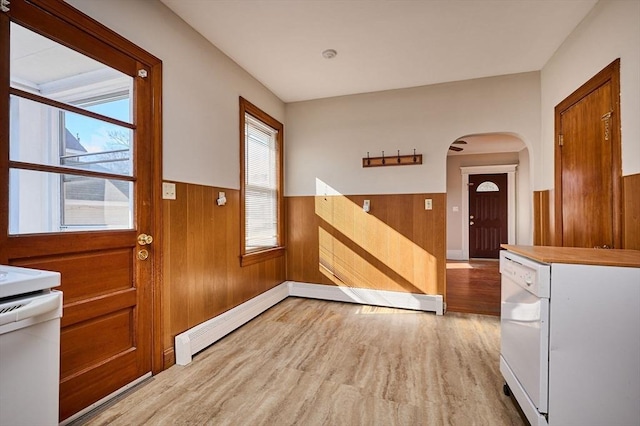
x,y
581,256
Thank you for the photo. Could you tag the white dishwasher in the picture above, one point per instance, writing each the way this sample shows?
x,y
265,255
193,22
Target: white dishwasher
x,y
570,334
30,315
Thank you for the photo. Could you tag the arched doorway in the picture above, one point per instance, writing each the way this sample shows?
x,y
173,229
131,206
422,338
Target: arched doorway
x,y
473,285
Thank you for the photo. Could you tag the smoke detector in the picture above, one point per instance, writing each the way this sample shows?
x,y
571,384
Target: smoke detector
x,y
329,54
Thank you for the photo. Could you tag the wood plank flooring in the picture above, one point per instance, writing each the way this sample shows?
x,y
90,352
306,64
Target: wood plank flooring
x,y
311,362
473,286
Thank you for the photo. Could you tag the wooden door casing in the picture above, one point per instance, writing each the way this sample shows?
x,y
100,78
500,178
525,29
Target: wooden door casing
x,y
108,333
588,171
488,225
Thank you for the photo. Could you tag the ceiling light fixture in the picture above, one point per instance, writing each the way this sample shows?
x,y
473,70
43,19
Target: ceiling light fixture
x,y
329,54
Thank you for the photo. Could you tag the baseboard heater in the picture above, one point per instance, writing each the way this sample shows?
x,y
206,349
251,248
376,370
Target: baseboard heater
x,y
203,335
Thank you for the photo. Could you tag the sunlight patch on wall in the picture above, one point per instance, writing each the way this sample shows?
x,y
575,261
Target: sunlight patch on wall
x,y
401,255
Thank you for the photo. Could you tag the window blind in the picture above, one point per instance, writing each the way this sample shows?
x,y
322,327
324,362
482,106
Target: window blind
x,y
261,185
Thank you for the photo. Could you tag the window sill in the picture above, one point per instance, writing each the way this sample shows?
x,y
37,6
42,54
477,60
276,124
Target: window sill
x,y
261,256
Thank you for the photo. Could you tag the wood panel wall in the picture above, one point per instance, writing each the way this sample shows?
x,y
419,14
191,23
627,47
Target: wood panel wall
x,y
202,276
542,218
543,214
631,209
397,246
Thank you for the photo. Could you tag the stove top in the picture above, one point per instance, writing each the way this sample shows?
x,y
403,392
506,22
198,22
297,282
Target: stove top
x,y
15,280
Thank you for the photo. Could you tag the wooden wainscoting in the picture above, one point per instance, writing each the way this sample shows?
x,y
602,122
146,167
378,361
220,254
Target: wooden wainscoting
x,y
542,218
631,201
202,273
397,246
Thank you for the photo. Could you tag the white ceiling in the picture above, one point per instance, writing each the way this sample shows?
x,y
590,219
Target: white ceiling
x,y
381,44
488,143
37,60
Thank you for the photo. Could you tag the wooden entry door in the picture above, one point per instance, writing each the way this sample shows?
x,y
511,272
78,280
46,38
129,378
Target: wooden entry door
x,y
78,154
588,164
488,207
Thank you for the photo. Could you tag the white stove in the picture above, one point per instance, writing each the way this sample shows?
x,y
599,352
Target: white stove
x,y
30,314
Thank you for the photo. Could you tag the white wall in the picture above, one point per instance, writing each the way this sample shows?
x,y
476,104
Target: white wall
x,y
610,31
327,138
201,86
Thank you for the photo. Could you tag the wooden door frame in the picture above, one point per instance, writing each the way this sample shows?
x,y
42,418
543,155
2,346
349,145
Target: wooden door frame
x,y
510,170
74,18
611,73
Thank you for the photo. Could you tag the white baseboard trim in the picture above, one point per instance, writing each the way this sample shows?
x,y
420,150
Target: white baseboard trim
x,y
363,296
199,337
455,255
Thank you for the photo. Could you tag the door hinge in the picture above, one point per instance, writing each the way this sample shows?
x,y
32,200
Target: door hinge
x,y
4,5
560,140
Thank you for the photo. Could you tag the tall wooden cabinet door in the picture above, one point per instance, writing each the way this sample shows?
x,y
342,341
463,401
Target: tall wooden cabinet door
x,y
588,170
488,224
76,172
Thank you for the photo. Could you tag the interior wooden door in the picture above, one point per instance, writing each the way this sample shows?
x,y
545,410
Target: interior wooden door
x,y
588,164
76,172
488,207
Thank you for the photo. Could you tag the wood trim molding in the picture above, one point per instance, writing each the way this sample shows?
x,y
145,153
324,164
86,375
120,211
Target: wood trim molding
x,y
631,187
157,359
169,357
250,258
510,170
78,19
260,256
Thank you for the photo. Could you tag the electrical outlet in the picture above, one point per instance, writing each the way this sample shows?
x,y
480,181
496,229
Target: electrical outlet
x,y
428,204
168,191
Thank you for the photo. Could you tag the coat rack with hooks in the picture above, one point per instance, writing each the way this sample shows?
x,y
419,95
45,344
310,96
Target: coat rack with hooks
x,y
393,160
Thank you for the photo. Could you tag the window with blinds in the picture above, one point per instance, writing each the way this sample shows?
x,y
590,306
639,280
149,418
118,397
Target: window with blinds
x,y
261,171
260,185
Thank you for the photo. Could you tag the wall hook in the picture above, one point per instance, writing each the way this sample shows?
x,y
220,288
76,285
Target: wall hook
x,y
401,160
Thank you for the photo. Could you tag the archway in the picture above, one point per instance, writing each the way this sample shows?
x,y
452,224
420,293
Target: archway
x,y
498,153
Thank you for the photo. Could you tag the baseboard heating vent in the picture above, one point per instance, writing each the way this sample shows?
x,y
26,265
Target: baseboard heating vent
x,y
201,336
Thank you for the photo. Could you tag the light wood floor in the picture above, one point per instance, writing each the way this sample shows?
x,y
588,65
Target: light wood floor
x,y
309,362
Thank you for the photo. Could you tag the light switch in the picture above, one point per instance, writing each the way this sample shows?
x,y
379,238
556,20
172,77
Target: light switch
x,y
168,191
428,204
455,208
366,206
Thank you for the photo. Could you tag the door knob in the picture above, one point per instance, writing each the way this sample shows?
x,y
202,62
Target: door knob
x,y
471,223
144,239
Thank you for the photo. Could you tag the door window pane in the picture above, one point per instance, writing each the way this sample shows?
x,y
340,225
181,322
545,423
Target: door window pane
x,y
89,128
41,134
51,202
46,68
488,186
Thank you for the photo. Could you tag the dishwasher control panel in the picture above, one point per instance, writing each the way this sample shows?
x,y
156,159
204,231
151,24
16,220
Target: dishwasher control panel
x,y
533,276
